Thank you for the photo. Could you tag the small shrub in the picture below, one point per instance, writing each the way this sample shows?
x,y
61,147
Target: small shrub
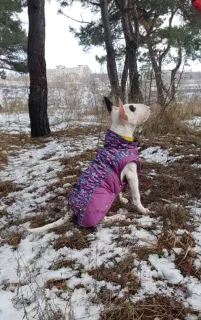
x,y
170,119
7,187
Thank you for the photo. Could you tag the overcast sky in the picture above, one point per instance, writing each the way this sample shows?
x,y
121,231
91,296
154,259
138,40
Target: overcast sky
x,y
61,46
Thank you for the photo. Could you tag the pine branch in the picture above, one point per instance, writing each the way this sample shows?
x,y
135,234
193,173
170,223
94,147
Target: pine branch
x,y
163,55
79,21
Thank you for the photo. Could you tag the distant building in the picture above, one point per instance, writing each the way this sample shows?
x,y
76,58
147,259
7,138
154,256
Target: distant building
x,y
62,71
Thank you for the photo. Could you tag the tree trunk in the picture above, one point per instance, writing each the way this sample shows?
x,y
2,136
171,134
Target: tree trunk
x,y
124,78
157,61
37,69
111,58
131,39
158,75
135,94
173,74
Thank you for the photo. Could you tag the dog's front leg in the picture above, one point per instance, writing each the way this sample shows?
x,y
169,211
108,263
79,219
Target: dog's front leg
x,y
130,173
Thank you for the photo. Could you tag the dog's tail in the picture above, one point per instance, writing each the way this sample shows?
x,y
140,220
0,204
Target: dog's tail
x,y
52,225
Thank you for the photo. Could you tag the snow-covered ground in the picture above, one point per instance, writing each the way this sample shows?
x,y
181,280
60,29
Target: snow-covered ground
x,y
19,123
158,155
195,123
24,272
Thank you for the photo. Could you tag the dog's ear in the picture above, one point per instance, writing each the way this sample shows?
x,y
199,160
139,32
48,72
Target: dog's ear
x,y
122,114
109,104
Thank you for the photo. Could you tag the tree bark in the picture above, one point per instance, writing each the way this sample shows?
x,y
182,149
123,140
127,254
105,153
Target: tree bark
x,y
37,69
124,78
111,58
158,75
135,94
157,61
173,74
131,39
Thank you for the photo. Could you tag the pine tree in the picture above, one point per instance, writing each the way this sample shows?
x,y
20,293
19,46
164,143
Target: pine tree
x,y
96,33
170,43
13,39
146,39
37,69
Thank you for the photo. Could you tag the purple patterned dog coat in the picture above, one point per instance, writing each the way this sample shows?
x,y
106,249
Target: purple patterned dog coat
x,y
98,186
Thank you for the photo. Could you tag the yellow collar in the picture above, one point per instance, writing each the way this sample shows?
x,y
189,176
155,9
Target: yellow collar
x,y
128,139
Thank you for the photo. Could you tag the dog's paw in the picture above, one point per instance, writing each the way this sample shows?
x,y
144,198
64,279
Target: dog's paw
x,y
143,210
123,200
146,211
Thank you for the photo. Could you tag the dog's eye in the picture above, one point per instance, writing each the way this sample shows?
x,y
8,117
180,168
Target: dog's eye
x,y
132,108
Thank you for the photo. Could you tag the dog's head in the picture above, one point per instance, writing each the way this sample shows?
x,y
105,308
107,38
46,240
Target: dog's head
x,y
134,114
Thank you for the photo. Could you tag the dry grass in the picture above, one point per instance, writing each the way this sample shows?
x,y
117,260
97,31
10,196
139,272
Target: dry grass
x,y
3,158
14,240
87,155
70,174
121,274
73,132
185,262
195,109
169,240
14,141
105,297
38,221
176,217
144,252
60,284
15,106
3,213
63,264
170,119
12,285
7,187
52,312
176,183
117,204
78,240
160,307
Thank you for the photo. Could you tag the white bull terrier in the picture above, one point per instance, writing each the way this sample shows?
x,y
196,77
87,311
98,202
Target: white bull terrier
x,y
116,165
